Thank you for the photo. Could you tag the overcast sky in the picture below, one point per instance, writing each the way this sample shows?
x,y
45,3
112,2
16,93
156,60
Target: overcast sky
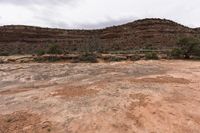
x,y
85,14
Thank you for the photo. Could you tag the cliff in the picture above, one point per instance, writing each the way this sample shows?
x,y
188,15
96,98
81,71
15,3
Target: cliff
x,y
147,33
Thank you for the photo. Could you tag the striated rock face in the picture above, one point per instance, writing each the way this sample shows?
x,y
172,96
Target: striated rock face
x,y
155,33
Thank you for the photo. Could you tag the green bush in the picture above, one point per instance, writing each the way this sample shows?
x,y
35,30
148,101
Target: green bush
x,y
196,51
151,56
88,57
3,53
54,49
189,47
40,52
176,53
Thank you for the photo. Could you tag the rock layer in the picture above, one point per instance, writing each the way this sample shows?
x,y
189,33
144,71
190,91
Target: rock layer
x,y
140,34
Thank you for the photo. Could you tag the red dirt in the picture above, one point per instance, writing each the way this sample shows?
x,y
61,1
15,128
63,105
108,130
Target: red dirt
x,y
124,97
23,122
13,91
161,79
72,92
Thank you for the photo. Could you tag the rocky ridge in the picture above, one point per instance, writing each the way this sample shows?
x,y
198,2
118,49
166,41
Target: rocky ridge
x,y
146,33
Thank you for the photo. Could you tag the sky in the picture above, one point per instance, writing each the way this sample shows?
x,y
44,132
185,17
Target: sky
x,y
95,14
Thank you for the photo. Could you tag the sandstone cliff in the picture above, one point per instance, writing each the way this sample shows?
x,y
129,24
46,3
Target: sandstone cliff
x,y
147,33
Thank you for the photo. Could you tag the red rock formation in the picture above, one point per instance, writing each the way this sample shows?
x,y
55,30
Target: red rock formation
x,y
155,33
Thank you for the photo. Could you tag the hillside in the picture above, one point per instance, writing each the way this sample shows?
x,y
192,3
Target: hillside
x,y
140,34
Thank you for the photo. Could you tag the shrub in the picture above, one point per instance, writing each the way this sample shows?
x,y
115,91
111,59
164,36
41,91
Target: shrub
x,y
176,53
88,57
151,56
189,47
54,49
48,59
53,59
3,53
40,52
196,50
135,57
116,59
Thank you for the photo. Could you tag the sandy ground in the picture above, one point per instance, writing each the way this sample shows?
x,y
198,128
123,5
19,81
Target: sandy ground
x,y
124,97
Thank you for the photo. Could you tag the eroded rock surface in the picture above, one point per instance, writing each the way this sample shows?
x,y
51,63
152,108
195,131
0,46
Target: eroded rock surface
x,y
124,97
160,34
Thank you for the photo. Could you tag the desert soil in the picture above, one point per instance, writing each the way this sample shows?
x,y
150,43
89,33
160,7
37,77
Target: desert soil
x,y
124,97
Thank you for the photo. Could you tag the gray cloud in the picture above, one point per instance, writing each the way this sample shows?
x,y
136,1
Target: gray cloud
x,y
108,23
51,22
91,14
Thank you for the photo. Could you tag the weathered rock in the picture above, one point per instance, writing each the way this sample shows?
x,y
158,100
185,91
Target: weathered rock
x,y
147,33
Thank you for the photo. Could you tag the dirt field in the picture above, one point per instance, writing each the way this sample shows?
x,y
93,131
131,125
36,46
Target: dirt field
x,y
124,97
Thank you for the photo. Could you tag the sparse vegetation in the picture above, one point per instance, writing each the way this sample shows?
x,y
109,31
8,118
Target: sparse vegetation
x,y
176,53
188,47
87,57
196,50
135,57
151,56
3,53
115,58
89,49
54,49
40,52
48,59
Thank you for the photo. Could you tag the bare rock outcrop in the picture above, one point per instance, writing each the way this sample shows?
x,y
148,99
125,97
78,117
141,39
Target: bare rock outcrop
x,y
154,33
